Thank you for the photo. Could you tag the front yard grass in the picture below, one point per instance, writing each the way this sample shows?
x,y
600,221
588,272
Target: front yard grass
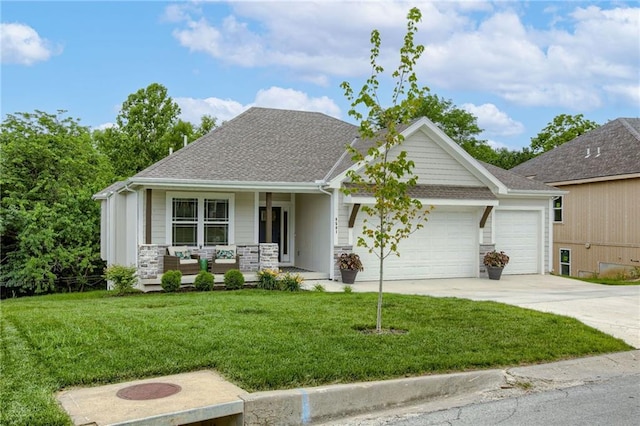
x,y
262,340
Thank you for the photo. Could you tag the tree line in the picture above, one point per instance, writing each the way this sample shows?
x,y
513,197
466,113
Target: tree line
x,y
51,165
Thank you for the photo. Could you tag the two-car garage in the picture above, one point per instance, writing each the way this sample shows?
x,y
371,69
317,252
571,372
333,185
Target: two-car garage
x,y
448,245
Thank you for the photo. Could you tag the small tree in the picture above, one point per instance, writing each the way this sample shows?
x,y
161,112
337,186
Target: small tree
x,y
561,129
387,176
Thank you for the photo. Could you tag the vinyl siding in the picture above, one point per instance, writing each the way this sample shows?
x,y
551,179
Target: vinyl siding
x,y
245,218
434,165
606,215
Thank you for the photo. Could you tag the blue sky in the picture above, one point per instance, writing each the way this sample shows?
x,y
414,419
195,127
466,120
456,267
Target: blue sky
x,y
515,65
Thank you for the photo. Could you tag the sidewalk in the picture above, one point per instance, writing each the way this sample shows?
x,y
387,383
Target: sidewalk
x,y
205,395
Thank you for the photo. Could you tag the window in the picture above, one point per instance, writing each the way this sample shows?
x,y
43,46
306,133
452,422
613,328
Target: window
x,y
565,262
200,219
557,209
216,222
184,222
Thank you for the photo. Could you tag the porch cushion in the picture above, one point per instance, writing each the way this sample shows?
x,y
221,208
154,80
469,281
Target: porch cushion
x,y
188,261
225,252
222,261
173,249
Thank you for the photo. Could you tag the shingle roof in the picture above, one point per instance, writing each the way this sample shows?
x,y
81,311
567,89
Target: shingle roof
x,y
448,192
619,145
514,181
261,145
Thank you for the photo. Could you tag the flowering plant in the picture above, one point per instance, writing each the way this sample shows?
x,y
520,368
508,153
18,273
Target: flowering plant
x,y
496,259
350,261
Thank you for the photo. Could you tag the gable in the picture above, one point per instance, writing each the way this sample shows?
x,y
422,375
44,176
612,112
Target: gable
x,y
434,165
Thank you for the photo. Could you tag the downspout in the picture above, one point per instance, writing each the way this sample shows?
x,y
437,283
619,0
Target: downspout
x,y
320,184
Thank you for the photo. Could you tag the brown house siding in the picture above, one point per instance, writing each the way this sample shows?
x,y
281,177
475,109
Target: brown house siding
x,y
606,217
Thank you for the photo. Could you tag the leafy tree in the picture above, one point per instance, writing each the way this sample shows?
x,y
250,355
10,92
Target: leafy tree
x,y
394,214
50,225
561,129
139,139
508,159
146,128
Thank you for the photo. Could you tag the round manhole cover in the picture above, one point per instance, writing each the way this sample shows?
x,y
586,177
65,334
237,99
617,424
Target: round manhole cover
x,y
148,391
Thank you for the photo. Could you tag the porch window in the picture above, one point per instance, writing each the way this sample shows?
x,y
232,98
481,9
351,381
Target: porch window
x,y
184,221
557,209
200,219
216,222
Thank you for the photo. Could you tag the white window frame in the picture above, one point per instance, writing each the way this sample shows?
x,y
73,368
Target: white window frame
x,y
561,263
200,196
561,209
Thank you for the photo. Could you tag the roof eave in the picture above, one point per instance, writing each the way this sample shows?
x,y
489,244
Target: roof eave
x,y
224,185
535,193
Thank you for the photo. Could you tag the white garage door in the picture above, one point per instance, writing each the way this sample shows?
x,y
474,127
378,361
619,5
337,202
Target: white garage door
x,y
518,234
447,247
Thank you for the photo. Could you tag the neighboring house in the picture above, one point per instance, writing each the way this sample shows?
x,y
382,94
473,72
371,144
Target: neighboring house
x,y
597,224
216,190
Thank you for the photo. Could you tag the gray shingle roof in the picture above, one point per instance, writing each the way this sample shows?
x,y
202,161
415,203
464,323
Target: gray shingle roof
x,y
448,192
619,144
261,145
514,181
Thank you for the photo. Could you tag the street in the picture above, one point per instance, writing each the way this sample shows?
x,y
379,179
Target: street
x,y
615,401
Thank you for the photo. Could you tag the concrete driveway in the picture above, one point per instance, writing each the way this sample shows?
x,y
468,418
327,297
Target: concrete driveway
x,y
614,310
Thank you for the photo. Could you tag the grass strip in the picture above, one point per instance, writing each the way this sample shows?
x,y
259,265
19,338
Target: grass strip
x,y
264,340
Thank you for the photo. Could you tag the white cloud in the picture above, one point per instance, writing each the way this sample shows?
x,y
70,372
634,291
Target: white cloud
x,y
223,109
105,126
630,92
274,97
495,144
21,44
493,121
277,97
487,47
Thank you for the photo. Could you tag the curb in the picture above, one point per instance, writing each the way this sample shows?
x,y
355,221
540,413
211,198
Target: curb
x,y
307,405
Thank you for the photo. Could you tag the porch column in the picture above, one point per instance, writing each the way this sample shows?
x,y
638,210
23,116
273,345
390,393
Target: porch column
x,y
147,229
268,218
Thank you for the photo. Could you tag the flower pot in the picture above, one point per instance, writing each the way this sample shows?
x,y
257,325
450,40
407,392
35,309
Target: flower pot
x,y
348,275
494,272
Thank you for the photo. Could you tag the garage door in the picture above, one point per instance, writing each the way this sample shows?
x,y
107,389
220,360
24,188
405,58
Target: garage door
x,y
518,234
446,247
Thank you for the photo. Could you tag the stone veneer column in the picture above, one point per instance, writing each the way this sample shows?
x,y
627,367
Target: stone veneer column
x,y
337,251
250,257
268,256
150,260
484,249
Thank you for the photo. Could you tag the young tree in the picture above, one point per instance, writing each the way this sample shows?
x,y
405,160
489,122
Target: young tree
x,y
386,173
50,225
561,129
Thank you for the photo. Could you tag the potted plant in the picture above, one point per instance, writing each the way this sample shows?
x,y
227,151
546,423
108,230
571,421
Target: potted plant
x,y
349,264
495,262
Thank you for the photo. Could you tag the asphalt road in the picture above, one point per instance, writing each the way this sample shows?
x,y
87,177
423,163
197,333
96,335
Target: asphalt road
x,y
614,401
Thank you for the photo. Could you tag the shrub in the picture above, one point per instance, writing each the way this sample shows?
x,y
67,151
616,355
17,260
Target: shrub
x,y
233,279
123,278
268,279
347,289
171,281
290,282
204,281
319,288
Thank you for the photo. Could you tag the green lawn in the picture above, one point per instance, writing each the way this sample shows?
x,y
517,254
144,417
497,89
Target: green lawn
x,y
262,340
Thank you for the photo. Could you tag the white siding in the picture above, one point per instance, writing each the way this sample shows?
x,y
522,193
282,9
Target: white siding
x,y
245,218
344,212
313,232
158,217
434,165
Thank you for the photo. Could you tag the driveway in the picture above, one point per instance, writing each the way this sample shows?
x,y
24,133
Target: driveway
x,y
614,310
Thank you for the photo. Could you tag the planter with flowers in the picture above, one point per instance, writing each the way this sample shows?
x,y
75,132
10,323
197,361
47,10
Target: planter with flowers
x,y
349,264
495,262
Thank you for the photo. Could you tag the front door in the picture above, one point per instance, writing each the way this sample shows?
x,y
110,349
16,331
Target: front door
x,y
276,218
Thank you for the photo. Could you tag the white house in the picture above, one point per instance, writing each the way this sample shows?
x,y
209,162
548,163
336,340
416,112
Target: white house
x,y
216,191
